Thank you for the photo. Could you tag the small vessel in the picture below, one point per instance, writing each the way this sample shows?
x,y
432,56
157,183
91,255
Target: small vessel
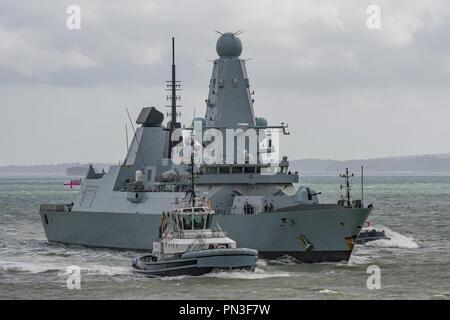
x,y
189,246
370,234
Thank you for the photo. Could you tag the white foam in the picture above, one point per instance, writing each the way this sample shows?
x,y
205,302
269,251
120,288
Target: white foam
x,y
41,267
358,260
249,275
285,260
106,270
31,267
328,291
396,240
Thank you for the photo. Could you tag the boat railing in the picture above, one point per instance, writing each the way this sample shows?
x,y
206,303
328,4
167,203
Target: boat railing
x,y
198,241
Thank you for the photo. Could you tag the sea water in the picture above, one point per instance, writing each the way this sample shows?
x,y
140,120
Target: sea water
x,y
413,210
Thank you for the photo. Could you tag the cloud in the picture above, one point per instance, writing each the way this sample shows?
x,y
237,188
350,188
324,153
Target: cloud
x,y
19,52
314,61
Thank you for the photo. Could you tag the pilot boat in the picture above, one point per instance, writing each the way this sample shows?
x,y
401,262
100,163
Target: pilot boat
x,y
188,245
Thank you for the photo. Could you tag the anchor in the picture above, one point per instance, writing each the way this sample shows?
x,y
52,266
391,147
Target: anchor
x,y
306,244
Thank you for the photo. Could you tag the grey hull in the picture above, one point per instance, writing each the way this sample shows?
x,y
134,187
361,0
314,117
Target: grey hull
x,y
330,232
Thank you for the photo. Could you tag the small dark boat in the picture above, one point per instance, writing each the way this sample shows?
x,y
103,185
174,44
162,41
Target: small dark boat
x,y
367,235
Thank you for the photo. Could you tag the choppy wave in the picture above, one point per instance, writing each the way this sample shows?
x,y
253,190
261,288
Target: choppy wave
x,y
358,260
328,291
257,274
285,260
28,260
61,268
31,267
249,275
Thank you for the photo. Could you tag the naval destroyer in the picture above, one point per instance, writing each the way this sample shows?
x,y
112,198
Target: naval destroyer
x,y
258,202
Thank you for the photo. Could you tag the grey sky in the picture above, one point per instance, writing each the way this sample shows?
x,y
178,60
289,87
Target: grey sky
x,y
346,91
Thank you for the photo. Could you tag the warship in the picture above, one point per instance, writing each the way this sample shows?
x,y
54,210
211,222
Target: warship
x,y
258,201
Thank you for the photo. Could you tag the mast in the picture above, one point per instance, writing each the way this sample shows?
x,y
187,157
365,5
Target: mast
x,y
174,102
173,85
347,177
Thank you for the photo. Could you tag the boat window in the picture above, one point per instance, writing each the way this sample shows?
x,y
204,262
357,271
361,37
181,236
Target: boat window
x,y
187,210
187,221
236,169
249,169
211,170
224,169
208,221
199,210
199,221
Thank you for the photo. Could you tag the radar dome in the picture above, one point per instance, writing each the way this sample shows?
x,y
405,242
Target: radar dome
x,y
198,119
261,122
228,45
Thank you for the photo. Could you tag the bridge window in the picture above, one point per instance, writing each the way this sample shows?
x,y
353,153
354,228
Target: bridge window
x,y
187,221
236,169
199,221
208,221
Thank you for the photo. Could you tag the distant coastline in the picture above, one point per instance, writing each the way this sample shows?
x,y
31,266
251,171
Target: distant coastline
x,y
71,169
438,163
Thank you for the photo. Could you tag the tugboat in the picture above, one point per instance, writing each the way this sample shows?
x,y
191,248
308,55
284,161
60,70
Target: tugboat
x,y
189,246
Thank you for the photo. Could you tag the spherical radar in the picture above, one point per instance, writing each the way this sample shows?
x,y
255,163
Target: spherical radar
x,y
228,45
